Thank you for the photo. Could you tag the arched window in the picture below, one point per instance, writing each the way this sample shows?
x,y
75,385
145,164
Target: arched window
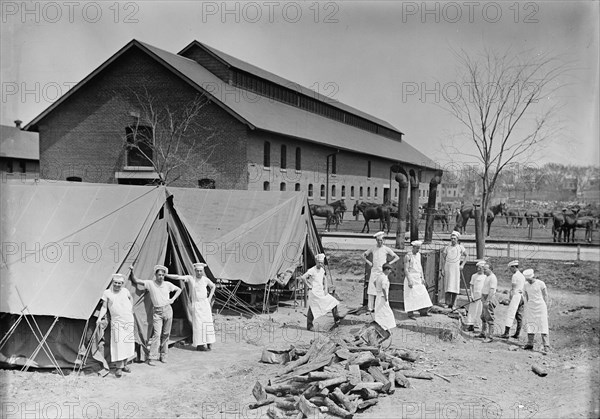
x,y
297,187
266,186
298,158
360,192
310,190
368,192
283,163
333,191
351,192
376,192
267,154
395,192
343,191
282,186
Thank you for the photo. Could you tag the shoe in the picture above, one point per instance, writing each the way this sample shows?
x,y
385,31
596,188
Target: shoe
x,y
201,348
150,362
504,336
488,340
480,336
119,373
528,347
163,359
412,317
515,336
208,347
426,315
126,369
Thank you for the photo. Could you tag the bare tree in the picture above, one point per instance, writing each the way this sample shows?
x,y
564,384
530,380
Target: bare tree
x,y
506,111
171,139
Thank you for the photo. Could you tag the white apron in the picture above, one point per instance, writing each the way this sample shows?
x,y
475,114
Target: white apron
x,y
319,302
536,311
452,268
122,340
417,297
203,329
475,308
379,255
513,306
384,315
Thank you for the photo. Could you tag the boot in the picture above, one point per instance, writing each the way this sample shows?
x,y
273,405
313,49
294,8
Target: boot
x,y
336,316
517,332
488,335
483,331
529,345
506,333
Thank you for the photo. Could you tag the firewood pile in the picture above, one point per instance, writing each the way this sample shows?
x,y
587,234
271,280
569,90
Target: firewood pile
x,y
338,377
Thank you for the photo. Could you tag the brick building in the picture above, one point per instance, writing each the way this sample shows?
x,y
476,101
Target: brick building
x,y
19,153
261,132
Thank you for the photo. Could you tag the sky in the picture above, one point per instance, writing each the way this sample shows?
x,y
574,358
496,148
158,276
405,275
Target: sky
x,y
393,60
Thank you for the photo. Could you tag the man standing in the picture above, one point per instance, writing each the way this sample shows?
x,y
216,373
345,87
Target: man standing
x,y
454,257
536,310
515,308
117,301
384,316
203,330
488,299
416,296
476,306
380,254
162,315
319,300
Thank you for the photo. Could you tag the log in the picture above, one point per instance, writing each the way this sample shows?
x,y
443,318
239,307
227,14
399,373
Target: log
x,y
305,369
311,391
367,393
322,375
353,375
259,392
334,409
407,355
346,387
307,408
419,375
392,380
344,401
367,403
363,358
401,380
315,349
317,400
337,368
332,382
343,353
285,405
384,365
380,377
373,349
539,370
276,413
260,403
366,377
283,389
370,386
300,378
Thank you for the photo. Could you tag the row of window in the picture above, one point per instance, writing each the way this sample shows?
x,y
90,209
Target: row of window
x,y
334,190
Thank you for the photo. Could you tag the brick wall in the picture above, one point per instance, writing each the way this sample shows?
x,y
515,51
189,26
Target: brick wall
x,y
85,135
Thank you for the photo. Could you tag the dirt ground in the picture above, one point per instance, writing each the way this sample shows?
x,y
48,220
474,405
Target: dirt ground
x,y
486,380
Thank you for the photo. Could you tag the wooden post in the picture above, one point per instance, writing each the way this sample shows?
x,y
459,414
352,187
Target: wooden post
x,y
480,244
414,206
430,211
402,180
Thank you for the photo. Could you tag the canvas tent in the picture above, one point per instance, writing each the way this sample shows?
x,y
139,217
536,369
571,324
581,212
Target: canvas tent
x,y
61,241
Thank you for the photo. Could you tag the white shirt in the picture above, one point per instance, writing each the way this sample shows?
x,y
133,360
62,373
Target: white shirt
x,y
160,295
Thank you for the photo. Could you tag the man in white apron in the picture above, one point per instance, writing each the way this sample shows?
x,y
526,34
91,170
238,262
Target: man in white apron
x,y
454,257
117,301
476,306
384,316
380,253
536,310
516,306
319,300
416,297
489,302
203,329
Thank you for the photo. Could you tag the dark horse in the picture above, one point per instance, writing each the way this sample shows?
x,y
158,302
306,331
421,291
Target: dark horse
x,y
372,212
326,211
339,207
463,216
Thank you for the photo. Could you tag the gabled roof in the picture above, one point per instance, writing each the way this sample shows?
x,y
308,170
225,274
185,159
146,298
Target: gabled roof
x,y
234,62
266,114
18,144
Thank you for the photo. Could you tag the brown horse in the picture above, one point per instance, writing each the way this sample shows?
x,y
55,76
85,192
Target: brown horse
x,y
372,212
515,216
339,207
465,214
327,212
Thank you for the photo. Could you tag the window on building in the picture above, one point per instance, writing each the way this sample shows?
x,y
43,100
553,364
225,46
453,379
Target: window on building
x,y
375,192
369,168
310,190
267,154
368,192
297,187
334,164
351,192
206,183
23,166
282,186
454,193
266,186
333,191
283,164
360,192
298,158
74,179
140,143
322,191
343,191
395,192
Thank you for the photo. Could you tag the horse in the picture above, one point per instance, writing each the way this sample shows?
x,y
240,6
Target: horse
x,y
586,223
516,219
463,216
339,207
530,215
564,224
442,215
326,211
372,212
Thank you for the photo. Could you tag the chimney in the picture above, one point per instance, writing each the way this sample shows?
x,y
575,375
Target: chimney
x,y
18,123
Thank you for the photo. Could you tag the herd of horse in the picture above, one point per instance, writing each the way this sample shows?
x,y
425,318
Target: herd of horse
x,y
564,223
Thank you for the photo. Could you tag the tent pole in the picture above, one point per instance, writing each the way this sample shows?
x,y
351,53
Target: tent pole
x,y
10,331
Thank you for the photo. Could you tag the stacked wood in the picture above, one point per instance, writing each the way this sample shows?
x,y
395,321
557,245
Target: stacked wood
x,y
339,377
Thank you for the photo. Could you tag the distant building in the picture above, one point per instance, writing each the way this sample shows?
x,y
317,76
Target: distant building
x,y
19,153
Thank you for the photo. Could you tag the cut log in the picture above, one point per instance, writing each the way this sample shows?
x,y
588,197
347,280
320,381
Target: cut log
x,y
367,393
373,349
260,403
283,389
363,358
285,405
539,370
315,349
332,382
311,391
380,377
343,353
419,375
276,413
305,369
402,381
337,368
322,375
392,380
365,377
367,403
309,409
334,409
384,365
344,401
353,375
259,392
407,355
370,386
346,387
317,400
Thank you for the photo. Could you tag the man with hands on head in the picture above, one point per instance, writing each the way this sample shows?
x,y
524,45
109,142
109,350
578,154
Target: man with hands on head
x,y
380,253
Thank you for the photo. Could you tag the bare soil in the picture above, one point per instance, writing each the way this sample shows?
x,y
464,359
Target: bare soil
x,y
486,380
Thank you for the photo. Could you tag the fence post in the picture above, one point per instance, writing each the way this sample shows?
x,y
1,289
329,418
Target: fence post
x,y
507,249
578,252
